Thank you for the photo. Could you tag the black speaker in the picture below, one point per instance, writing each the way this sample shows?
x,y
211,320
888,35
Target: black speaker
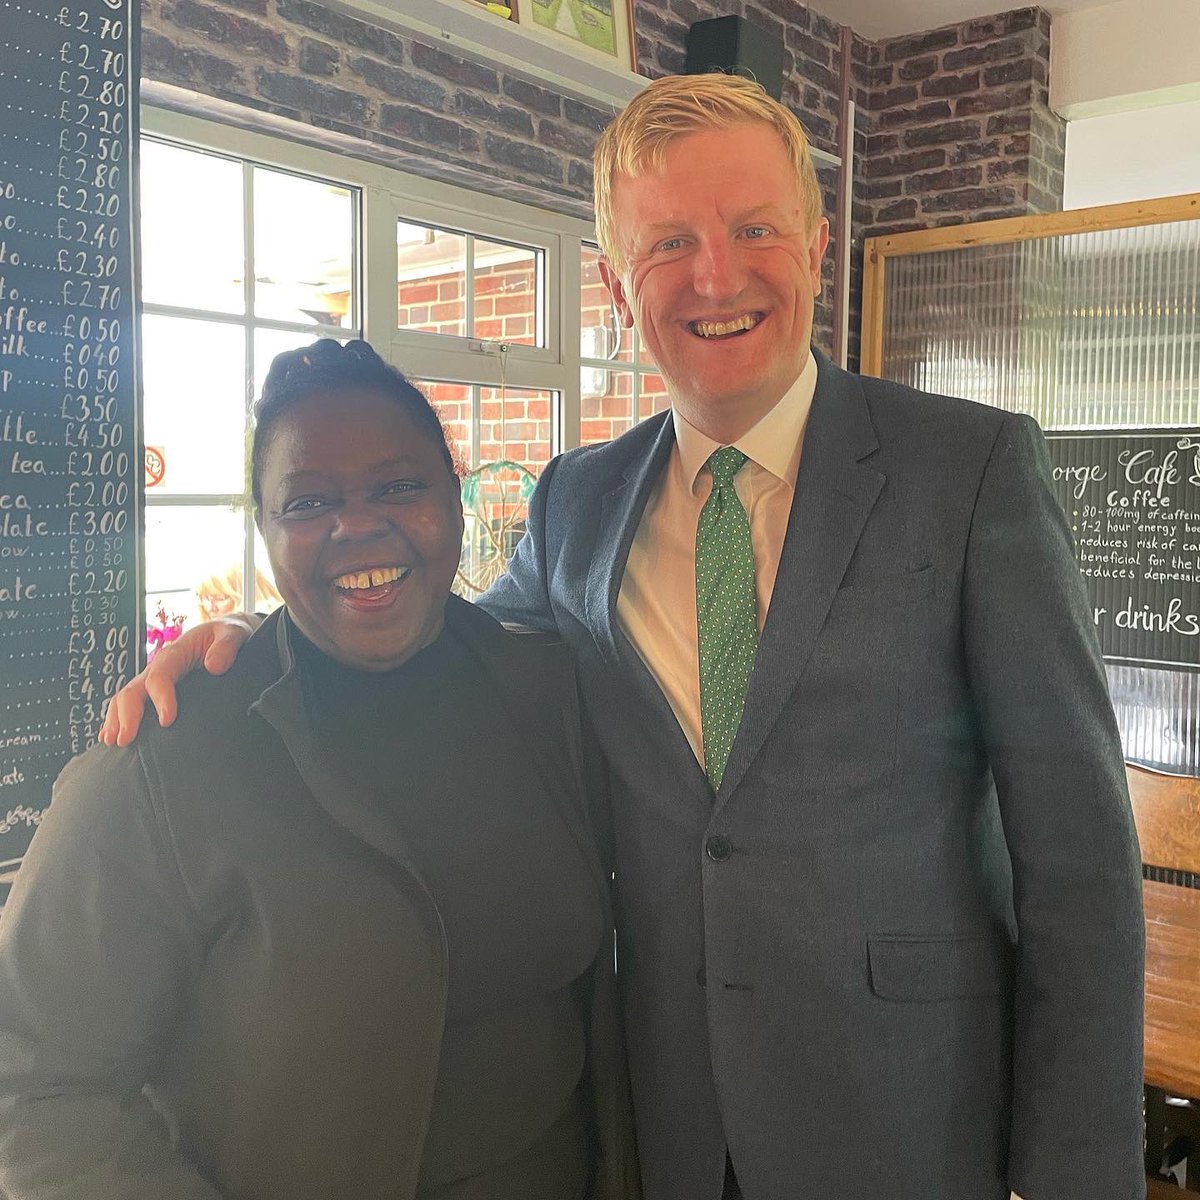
x,y
734,45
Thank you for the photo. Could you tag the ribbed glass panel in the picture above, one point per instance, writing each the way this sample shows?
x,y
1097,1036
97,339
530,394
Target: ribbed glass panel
x,y
1083,331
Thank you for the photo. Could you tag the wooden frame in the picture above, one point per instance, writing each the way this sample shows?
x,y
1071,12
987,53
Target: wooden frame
x,y
592,37
1166,811
989,233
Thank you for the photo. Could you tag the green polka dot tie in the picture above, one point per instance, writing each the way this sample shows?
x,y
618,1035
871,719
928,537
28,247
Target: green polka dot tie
x,y
726,611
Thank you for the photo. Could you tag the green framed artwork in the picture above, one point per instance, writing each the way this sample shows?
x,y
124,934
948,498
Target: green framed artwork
x,y
599,29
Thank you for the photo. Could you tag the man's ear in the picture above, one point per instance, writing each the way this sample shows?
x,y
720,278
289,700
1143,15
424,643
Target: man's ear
x,y
616,289
816,252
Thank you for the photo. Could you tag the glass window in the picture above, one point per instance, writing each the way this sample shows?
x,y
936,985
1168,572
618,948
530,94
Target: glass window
x,y
226,290
455,403
502,437
508,302
600,333
194,405
193,237
432,285
618,386
187,548
303,249
460,285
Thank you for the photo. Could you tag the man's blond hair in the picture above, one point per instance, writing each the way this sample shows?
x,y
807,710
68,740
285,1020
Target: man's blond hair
x,y
677,105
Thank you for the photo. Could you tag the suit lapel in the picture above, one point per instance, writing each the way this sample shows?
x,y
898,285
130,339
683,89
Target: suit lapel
x,y
621,511
620,514
835,492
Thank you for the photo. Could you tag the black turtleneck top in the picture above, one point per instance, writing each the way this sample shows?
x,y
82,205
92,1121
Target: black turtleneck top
x,y
431,745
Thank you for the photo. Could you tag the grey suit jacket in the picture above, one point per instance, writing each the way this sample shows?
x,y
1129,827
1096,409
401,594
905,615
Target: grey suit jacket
x,y
900,952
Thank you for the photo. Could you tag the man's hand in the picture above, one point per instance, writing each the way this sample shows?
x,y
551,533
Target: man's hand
x,y
213,645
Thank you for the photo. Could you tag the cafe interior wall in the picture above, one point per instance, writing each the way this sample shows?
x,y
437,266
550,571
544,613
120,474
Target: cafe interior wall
x,y
950,124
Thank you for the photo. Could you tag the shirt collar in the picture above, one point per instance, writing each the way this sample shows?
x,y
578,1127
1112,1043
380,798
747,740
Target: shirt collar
x,y
774,442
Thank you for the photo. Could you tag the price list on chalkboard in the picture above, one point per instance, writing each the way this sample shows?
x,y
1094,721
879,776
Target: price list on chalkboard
x,y
69,456
1133,500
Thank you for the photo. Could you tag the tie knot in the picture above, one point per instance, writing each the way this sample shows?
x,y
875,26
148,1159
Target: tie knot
x,y
724,464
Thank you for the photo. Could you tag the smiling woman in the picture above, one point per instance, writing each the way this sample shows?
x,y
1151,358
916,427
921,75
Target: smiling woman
x,y
304,928
358,503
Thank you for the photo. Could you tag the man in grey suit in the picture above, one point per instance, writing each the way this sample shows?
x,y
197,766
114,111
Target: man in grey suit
x,y
878,886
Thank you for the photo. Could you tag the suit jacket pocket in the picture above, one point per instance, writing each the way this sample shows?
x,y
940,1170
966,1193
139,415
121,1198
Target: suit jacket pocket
x,y
938,968
900,590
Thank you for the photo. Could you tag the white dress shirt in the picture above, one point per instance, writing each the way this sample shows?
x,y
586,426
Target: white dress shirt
x,y
656,606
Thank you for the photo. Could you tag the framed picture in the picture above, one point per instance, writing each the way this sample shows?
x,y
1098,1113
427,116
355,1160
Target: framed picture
x,y
597,29
501,8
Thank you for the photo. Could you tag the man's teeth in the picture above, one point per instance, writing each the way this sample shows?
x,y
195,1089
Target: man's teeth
x,y
720,328
369,579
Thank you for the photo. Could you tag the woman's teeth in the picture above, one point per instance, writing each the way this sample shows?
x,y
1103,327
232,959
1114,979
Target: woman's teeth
x,y
721,328
376,577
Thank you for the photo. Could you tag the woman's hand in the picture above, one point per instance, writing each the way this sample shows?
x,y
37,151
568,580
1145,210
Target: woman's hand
x,y
213,645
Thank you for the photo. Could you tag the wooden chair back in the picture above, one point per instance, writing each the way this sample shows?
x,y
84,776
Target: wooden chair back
x,y
1166,811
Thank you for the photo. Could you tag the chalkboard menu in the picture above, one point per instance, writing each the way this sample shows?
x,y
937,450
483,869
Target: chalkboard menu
x,y
69,457
1134,504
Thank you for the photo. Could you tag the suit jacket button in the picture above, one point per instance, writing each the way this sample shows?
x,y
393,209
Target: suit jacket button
x,y
718,847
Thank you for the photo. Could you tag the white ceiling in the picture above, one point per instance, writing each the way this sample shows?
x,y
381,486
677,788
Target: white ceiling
x,y
876,19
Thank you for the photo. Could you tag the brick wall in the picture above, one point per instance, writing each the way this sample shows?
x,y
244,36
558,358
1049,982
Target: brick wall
x,y
952,124
960,125
432,112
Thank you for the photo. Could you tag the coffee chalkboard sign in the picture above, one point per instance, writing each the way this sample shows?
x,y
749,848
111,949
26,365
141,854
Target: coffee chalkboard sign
x,y
70,462
1134,504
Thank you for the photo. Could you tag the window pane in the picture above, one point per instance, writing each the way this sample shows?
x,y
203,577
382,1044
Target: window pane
x,y
191,551
516,439
432,268
193,243
652,395
455,406
303,249
495,505
516,424
194,374
509,303
606,405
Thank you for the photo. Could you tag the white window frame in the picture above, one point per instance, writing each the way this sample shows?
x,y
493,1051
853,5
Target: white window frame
x,y
390,195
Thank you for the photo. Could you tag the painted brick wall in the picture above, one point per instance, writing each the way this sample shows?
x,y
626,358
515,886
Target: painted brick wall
x,y
443,115
952,124
960,125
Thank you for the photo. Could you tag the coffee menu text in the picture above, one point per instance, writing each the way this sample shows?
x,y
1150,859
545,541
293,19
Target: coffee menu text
x,y
1133,500
69,458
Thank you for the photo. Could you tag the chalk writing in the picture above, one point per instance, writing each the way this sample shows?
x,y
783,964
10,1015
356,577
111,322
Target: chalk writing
x,y
69,460
1133,500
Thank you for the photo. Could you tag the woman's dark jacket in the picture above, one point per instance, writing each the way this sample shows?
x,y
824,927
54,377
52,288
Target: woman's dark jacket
x,y
212,914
